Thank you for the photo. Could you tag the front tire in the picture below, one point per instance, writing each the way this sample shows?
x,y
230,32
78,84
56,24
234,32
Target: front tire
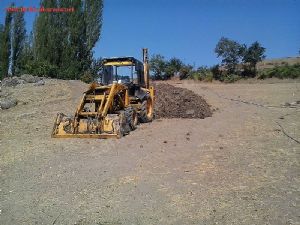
x,y
131,117
146,112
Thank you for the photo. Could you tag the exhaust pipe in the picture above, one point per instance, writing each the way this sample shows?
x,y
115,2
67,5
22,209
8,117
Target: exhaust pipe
x,y
146,67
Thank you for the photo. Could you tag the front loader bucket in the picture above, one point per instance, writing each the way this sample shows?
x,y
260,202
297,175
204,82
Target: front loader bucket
x,y
109,127
58,127
101,113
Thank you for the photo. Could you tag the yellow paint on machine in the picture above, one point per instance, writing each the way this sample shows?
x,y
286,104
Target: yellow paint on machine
x,y
111,110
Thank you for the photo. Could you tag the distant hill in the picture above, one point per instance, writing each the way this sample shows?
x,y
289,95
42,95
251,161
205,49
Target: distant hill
x,y
270,63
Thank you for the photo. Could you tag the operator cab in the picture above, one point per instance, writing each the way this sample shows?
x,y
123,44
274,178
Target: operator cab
x,y
123,70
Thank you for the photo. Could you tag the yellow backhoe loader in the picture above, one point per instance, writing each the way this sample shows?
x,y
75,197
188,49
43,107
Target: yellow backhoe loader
x,y
113,107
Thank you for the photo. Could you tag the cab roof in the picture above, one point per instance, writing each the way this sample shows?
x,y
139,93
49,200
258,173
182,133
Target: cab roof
x,y
121,61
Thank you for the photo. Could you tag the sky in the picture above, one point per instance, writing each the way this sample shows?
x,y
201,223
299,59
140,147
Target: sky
x,y
190,29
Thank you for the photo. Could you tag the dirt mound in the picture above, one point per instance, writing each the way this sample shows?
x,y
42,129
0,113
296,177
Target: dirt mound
x,y
174,102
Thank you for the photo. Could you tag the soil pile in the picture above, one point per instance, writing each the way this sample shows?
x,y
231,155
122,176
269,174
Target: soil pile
x,y
174,102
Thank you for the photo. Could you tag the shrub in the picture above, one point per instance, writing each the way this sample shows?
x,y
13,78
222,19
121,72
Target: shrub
x,y
194,75
248,72
185,72
87,77
217,73
41,68
231,78
208,77
281,72
202,74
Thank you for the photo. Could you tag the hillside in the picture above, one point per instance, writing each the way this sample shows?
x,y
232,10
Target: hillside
x,y
270,63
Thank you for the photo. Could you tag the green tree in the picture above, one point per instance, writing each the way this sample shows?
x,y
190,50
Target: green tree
x,y
26,58
93,22
5,50
18,41
96,67
1,47
74,56
253,55
231,52
217,73
157,65
47,43
66,40
173,66
92,15
185,71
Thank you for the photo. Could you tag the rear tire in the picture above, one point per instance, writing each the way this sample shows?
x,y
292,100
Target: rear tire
x,y
146,112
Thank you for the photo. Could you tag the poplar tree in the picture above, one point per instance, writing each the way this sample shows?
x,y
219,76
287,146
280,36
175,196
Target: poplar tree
x,y
93,20
73,41
1,47
66,40
26,58
18,41
5,50
44,27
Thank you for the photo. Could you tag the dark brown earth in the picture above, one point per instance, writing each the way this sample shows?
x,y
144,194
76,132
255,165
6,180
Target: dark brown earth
x,y
175,102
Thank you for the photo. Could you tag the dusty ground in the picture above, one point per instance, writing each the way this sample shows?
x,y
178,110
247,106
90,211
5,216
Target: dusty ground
x,y
236,167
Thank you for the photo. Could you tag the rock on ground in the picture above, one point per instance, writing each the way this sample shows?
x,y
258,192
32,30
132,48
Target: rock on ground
x,y
30,78
40,83
25,78
10,81
8,103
